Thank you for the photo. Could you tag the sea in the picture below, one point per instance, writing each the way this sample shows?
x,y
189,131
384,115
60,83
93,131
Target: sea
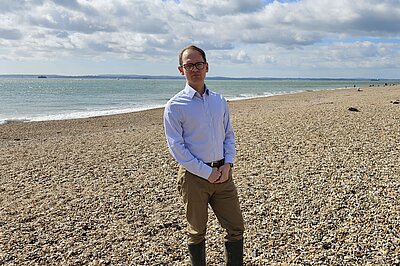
x,y
41,99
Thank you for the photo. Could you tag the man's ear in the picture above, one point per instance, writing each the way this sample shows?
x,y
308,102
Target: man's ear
x,y
181,70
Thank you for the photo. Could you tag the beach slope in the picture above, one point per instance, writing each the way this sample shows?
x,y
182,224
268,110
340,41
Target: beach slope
x,y
317,173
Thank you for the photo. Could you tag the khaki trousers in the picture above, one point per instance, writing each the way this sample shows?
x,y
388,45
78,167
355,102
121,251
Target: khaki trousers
x,y
198,193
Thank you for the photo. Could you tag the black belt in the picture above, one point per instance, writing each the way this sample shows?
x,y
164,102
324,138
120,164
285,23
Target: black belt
x,y
216,163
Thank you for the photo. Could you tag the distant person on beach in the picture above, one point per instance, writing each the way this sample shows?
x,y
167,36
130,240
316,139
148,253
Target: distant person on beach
x,y
200,137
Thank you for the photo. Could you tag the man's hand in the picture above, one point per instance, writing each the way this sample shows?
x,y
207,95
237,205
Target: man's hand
x,y
215,175
224,170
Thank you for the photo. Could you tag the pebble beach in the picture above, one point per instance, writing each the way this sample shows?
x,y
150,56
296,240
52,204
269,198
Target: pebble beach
x,y
317,174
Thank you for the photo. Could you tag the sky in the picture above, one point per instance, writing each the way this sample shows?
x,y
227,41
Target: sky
x,y
242,38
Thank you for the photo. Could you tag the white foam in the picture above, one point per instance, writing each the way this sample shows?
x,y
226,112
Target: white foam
x,y
77,115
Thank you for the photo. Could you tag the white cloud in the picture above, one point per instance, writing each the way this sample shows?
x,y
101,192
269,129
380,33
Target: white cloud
x,y
304,34
52,16
202,9
239,56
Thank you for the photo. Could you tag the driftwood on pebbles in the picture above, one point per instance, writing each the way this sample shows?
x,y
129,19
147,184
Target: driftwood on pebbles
x,y
353,109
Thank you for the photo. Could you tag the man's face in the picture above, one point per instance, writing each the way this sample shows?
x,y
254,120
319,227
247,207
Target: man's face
x,y
194,76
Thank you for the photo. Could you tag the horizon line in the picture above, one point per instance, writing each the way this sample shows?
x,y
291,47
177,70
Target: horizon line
x,y
138,76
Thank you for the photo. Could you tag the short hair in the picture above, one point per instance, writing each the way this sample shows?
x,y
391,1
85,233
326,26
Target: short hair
x,y
192,47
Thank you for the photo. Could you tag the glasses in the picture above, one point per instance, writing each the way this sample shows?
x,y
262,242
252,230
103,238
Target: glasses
x,y
190,66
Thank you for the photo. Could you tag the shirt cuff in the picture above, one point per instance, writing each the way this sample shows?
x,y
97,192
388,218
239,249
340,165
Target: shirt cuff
x,y
229,159
205,172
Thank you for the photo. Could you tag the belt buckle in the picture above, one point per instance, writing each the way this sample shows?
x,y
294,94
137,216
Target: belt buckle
x,y
217,163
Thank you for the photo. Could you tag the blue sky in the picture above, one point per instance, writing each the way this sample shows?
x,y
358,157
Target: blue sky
x,y
242,38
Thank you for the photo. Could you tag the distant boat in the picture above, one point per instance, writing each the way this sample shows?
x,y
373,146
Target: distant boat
x,y
42,77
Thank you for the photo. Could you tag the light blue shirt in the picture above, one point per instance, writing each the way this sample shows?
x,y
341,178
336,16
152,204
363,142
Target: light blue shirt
x,y
198,130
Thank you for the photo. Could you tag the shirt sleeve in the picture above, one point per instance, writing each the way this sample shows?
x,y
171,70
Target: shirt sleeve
x,y
229,141
176,144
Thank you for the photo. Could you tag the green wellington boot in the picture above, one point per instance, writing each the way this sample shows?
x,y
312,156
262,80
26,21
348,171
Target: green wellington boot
x,y
234,253
198,254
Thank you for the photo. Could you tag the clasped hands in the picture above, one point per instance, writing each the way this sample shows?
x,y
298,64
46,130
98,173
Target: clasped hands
x,y
220,175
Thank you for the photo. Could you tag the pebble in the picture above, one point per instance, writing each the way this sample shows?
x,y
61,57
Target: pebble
x,y
317,186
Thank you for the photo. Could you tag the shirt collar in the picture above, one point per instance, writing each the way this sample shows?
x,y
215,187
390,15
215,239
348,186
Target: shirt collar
x,y
192,92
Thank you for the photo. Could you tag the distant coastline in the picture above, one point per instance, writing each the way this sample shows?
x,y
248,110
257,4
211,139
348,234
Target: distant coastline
x,y
134,76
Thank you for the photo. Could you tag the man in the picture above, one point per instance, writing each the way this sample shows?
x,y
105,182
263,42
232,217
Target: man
x,y
200,137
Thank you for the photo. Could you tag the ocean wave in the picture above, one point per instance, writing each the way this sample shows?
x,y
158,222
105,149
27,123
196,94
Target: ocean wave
x,y
12,120
77,115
